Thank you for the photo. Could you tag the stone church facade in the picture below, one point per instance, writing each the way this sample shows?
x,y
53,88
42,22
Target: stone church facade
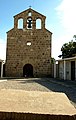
x,y
28,47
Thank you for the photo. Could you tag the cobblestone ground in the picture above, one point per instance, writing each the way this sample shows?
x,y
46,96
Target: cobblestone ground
x,y
42,84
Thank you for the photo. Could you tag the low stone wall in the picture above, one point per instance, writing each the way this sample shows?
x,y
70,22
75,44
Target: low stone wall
x,y
32,116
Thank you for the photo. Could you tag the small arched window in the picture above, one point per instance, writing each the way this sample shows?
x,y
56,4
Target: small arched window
x,y
38,24
29,14
20,23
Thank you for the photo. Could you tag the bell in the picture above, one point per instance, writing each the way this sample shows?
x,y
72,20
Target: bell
x,y
29,24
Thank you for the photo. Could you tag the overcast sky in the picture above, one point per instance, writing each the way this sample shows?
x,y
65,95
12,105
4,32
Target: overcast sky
x,y
60,20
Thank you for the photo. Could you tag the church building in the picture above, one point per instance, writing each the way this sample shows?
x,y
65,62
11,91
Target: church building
x,y
28,50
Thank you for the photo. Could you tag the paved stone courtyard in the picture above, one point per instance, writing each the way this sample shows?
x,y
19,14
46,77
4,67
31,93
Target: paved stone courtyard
x,y
42,84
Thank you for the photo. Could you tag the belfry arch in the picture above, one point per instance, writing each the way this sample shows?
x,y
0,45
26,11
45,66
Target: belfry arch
x,y
38,23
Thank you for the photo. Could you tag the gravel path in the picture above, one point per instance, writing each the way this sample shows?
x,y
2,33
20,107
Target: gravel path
x,y
25,84
42,84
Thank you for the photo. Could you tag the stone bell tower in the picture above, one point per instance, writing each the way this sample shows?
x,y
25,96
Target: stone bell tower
x,y
28,46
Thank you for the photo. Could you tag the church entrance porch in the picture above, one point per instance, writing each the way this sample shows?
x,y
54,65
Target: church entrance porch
x,y
28,70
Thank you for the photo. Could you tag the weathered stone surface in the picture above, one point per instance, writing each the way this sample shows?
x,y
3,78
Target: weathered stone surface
x,y
35,102
19,54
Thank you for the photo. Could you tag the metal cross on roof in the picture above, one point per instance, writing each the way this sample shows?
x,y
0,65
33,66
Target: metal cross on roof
x,y
30,6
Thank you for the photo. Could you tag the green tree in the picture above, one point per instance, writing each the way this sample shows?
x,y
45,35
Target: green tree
x,y
52,60
68,49
74,37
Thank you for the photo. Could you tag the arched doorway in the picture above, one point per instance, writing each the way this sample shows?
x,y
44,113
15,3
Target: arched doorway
x,y
28,70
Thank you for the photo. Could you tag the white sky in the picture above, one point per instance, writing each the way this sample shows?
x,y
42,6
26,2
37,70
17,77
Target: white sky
x,y
2,49
66,12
